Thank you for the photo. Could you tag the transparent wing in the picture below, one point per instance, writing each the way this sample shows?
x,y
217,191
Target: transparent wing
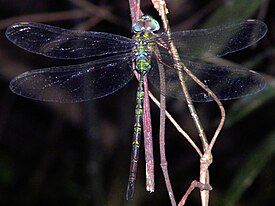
x,y
216,41
75,83
60,43
227,82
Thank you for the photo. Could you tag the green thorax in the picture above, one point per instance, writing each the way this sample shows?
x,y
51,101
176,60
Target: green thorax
x,y
143,49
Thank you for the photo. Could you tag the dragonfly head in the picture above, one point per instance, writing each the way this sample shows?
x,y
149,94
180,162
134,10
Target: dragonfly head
x,y
145,23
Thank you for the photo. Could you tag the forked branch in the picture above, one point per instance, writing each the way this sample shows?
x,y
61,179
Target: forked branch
x,y
206,159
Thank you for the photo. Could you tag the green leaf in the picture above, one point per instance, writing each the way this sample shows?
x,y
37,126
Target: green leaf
x,y
250,170
245,106
232,11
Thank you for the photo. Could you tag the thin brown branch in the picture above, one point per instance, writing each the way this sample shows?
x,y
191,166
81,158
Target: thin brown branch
x,y
45,17
147,126
176,125
135,9
163,161
184,134
10,67
216,99
88,24
98,11
206,159
148,141
194,184
198,15
187,96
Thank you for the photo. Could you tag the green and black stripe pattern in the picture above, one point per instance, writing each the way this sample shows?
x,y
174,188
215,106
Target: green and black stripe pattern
x,y
143,29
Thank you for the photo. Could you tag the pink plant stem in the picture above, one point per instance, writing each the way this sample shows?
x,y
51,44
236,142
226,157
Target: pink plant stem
x,y
148,141
147,126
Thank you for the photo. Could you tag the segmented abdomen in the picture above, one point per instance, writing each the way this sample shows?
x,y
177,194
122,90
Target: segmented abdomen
x,y
136,139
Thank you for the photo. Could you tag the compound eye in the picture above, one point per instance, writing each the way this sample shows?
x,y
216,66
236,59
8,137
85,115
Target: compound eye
x,y
146,23
152,25
138,25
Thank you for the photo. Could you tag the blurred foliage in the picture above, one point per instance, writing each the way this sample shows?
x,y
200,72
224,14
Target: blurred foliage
x,y
234,10
78,154
251,168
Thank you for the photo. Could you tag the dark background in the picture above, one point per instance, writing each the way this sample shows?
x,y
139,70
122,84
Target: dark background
x,y
79,154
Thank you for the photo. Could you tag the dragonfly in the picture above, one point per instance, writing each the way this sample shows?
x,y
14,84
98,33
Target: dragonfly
x,y
120,57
